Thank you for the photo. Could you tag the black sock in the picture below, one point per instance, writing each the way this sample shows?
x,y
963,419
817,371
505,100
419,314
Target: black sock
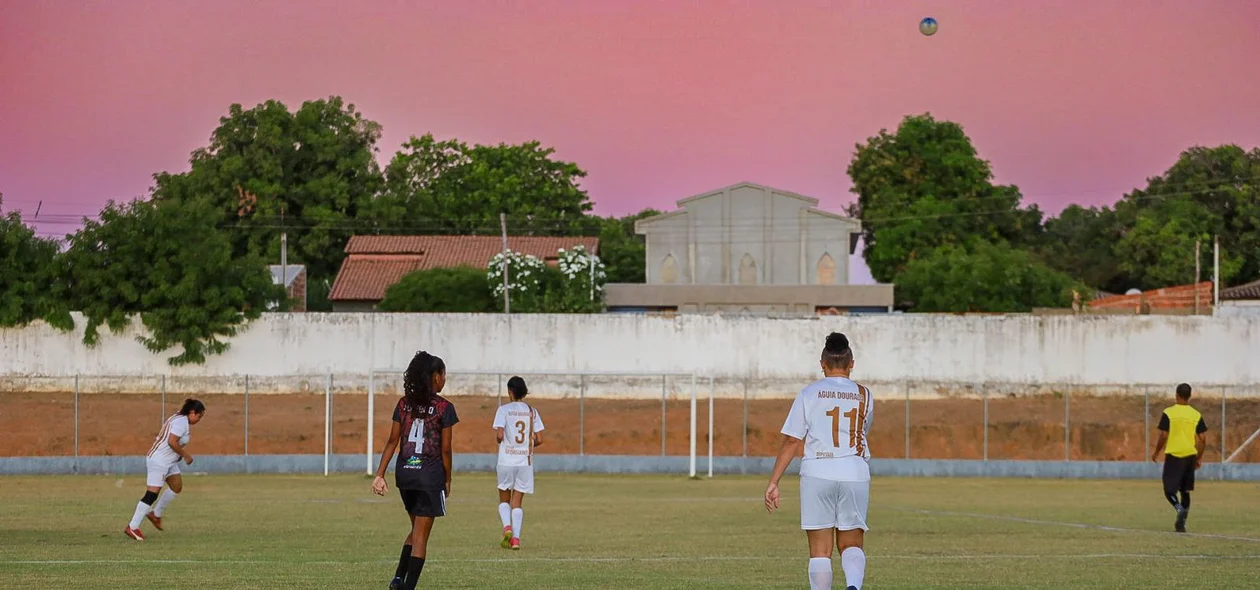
x,y
402,562
414,566
1172,499
1185,501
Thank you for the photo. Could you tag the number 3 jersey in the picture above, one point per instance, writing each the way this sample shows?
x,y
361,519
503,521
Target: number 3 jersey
x,y
519,423
833,417
419,465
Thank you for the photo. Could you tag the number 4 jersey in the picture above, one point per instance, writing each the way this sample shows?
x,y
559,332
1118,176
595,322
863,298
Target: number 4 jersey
x,y
519,423
419,465
833,417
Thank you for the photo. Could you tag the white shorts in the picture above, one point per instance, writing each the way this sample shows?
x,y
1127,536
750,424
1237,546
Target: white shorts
x,y
519,478
158,472
827,504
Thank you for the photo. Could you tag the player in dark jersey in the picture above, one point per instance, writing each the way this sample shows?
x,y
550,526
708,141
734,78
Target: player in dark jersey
x,y
422,421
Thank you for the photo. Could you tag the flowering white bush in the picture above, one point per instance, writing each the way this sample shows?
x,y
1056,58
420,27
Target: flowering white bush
x,y
576,264
525,272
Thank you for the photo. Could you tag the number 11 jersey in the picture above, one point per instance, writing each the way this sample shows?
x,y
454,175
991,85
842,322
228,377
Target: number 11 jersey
x,y
833,417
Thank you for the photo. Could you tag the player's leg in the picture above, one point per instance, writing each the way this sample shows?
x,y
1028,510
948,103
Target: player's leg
x,y
1186,486
505,510
818,519
518,517
1172,481
851,524
155,474
174,485
404,558
421,528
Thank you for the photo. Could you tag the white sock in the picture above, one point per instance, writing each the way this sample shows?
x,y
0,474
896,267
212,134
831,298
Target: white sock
x,y
853,560
505,514
820,573
518,516
141,510
165,499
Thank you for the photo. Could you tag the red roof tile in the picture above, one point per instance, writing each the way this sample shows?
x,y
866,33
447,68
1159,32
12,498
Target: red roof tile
x,y
377,262
1179,297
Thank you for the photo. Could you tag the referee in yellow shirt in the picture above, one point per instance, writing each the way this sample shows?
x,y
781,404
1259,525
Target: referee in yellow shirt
x,y
1181,440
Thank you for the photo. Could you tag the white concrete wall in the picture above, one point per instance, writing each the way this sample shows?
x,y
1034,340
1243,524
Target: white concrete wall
x,y
941,353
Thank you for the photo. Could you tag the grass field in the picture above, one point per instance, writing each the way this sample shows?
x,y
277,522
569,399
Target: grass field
x,y
623,532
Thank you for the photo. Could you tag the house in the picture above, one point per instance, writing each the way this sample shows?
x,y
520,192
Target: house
x,y
375,263
1241,300
1178,300
293,278
749,249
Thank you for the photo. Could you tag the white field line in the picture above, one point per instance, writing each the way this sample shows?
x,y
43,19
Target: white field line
x,y
875,557
1079,525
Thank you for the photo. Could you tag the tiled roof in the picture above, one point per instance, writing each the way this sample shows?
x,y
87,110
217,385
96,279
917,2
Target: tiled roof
x,y
1246,291
1179,297
374,263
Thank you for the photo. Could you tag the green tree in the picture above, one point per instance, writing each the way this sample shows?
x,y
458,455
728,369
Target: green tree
x,y
984,278
311,173
624,252
169,264
1081,242
29,289
1207,192
449,187
925,187
461,289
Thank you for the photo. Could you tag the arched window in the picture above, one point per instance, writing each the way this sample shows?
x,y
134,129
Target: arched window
x,y
669,270
747,270
826,270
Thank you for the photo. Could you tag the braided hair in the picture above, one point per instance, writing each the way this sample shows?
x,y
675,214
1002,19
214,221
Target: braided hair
x,y
418,381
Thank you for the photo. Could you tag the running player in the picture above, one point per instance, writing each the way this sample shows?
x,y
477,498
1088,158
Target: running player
x,y
518,428
1181,441
162,465
829,422
422,421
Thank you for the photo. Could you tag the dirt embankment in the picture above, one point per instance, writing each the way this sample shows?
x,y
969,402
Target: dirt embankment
x,y
1102,428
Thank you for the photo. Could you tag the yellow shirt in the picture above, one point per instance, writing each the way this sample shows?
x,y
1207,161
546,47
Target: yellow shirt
x,y
1182,423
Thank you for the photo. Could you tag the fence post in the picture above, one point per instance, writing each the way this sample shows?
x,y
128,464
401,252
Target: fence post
x,y
985,388
907,388
499,390
371,418
581,415
663,378
1146,419
691,442
247,424
163,416
711,391
76,416
1224,389
1067,423
327,420
745,418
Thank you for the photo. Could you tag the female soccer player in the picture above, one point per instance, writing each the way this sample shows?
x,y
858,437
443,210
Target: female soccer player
x,y
829,422
518,428
162,464
423,469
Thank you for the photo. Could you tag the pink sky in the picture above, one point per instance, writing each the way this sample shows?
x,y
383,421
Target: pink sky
x,y
1072,101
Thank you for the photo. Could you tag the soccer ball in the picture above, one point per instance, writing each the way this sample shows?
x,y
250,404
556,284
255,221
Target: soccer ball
x,y
927,26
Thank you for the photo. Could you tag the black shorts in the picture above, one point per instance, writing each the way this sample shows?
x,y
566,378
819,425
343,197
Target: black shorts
x,y
1179,473
430,503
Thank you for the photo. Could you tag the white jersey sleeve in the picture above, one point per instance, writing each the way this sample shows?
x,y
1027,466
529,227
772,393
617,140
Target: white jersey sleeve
x,y
500,417
538,423
833,417
161,451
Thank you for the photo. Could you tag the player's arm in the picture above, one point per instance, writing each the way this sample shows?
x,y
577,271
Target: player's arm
x,y
500,422
1200,442
538,438
1162,440
538,429
790,448
378,483
173,441
498,434
447,459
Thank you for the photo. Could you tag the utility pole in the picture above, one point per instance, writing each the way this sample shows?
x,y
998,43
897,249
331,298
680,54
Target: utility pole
x,y
1197,279
284,256
503,264
1216,273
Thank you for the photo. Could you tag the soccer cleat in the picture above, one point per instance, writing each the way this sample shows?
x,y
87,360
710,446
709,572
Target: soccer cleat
x,y
396,584
134,533
1180,525
507,537
156,520
516,544
851,588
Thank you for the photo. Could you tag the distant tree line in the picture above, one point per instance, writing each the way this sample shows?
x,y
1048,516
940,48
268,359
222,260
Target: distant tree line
x,y
190,259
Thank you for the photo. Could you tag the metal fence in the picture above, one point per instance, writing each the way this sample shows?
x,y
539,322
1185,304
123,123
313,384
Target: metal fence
x,y
608,414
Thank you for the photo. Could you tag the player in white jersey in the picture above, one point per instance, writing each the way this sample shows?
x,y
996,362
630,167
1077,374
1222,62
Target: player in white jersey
x,y
828,427
162,464
518,428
